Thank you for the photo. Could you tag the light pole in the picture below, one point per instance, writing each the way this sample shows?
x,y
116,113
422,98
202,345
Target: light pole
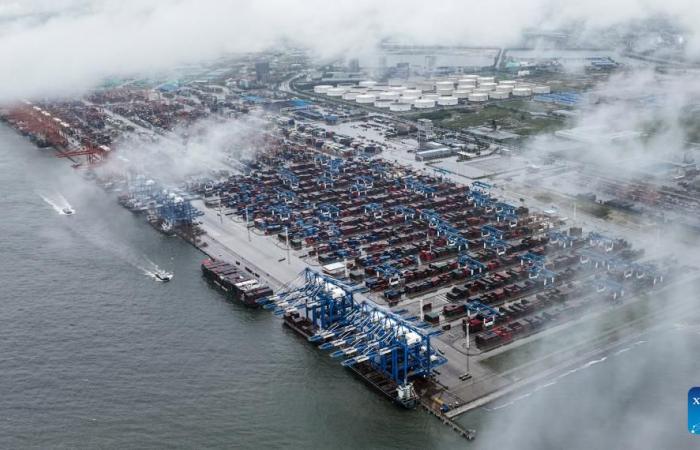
x,y
247,227
286,235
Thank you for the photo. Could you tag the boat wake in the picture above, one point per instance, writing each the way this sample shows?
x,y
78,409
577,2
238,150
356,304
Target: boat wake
x,y
58,202
152,270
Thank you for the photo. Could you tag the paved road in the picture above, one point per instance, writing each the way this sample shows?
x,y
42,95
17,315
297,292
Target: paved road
x,y
228,239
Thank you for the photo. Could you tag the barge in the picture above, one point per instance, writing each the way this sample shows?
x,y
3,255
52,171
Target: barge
x,y
235,283
364,371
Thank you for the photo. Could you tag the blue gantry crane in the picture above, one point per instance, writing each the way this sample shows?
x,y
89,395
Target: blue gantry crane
x,y
491,231
604,242
327,211
360,332
285,195
562,239
407,213
475,266
177,211
374,210
288,178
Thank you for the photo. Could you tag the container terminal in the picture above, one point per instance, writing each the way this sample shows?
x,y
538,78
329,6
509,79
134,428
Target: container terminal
x,y
349,223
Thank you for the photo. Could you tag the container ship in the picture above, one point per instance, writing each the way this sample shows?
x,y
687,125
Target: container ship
x,y
234,282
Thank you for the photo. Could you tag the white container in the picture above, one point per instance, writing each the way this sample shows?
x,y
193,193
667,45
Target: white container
x,y
397,88
424,103
541,90
447,101
486,80
507,83
367,83
469,77
499,95
383,103
462,93
489,86
466,86
505,88
444,91
481,90
433,97
478,97
400,107
322,88
522,92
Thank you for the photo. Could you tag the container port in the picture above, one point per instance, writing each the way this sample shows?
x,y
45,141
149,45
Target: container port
x,y
410,249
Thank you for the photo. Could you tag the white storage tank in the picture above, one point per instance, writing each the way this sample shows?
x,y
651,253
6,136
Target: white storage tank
x,y
444,91
507,83
431,96
351,95
466,86
489,86
471,77
412,92
481,90
322,88
478,97
389,95
425,86
444,84
499,95
367,83
522,92
400,107
486,80
462,93
365,98
423,103
397,88
395,82
383,103
447,101
505,88
541,90
336,91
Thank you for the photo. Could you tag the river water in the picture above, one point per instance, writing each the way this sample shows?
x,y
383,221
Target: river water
x,y
94,353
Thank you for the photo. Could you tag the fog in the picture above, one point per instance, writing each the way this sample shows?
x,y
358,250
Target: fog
x,y
195,150
629,395
60,47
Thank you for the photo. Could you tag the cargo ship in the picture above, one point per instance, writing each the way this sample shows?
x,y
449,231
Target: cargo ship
x,y
373,378
234,282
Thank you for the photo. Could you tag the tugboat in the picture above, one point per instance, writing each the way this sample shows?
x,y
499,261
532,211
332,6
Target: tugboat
x,y
162,275
68,211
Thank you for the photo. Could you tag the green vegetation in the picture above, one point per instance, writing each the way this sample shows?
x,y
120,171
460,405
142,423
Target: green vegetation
x,y
596,209
518,116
